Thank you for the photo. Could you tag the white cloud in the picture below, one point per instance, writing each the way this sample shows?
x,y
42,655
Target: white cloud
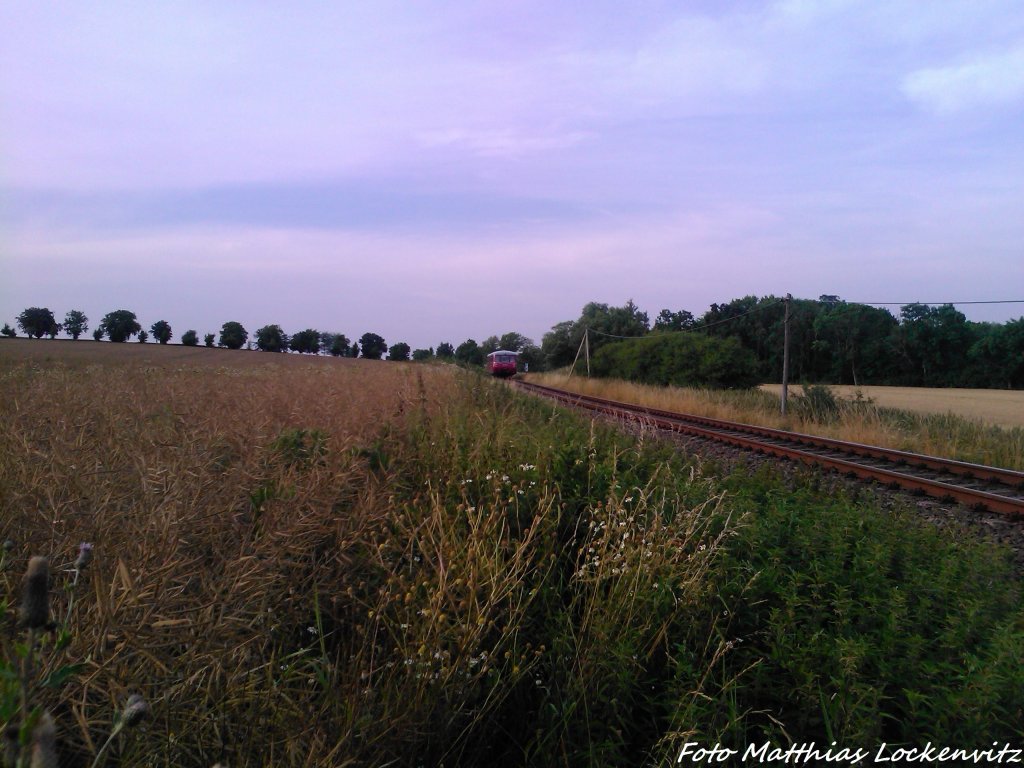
x,y
990,80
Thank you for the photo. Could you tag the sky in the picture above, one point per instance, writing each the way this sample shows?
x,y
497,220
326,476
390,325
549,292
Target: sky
x,y
437,171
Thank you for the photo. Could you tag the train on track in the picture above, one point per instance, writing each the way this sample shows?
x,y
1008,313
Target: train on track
x,y
502,363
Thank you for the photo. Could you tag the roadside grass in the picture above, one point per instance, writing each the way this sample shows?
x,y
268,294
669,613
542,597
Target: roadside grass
x,y
816,410
379,564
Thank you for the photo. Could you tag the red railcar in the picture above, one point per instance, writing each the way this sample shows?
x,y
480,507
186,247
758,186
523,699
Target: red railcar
x,y
502,363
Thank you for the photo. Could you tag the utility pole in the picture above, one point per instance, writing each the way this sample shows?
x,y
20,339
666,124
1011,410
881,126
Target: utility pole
x,y
586,338
785,355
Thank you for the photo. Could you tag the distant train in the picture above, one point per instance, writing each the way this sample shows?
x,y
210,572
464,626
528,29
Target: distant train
x,y
502,363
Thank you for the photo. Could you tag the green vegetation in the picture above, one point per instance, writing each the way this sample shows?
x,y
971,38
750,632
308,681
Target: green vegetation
x,y
419,566
831,340
685,360
75,323
119,326
38,322
233,335
161,331
372,346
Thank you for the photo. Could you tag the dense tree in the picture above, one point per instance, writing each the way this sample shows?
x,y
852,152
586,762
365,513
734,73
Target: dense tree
x,y
601,323
419,355
75,323
8,331
531,358
339,345
306,342
38,322
933,343
233,335
688,360
143,336
559,345
857,339
514,342
161,330
469,352
372,346
355,349
270,338
208,339
399,351
190,338
97,334
997,357
119,325
673,321
490,344
445,350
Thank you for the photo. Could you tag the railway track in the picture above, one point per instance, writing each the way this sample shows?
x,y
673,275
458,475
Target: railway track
x,y
974,485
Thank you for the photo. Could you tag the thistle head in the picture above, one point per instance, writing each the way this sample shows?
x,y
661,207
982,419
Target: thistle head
x,y
35,603
136,709
84,556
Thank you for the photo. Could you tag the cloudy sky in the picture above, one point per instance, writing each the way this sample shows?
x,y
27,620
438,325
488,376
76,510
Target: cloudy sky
x,y
432,171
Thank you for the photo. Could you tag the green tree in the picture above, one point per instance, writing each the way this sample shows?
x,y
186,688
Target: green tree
x,y
208,339
559,345
514,342
372,346
445,350
490,344
307,341
469,352
600,322
97,334
38,322
270,338
120,325
190,338
933,343
399,351
998,356
339,345
673,321
685,359
531,358
233,335
856,336
161,331
420,355
8,331
143,336
75,323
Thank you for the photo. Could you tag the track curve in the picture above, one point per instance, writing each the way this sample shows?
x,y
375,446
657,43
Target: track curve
x,y
974,485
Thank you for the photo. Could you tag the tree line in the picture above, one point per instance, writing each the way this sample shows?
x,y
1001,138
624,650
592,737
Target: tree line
x,y
122,325
831,341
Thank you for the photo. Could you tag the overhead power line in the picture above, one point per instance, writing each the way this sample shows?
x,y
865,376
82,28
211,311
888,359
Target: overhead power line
x,y
928,303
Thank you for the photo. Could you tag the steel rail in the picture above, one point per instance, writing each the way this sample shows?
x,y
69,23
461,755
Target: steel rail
x,y
795,445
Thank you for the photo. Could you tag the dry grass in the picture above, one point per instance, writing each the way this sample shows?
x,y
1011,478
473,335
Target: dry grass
x,y
317,562
943,434
215,521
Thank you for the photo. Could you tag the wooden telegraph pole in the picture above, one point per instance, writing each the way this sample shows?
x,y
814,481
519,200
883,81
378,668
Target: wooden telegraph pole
x,y
785,355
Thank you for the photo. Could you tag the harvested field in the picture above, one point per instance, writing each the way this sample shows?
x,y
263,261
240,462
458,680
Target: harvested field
x,y
1000,407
